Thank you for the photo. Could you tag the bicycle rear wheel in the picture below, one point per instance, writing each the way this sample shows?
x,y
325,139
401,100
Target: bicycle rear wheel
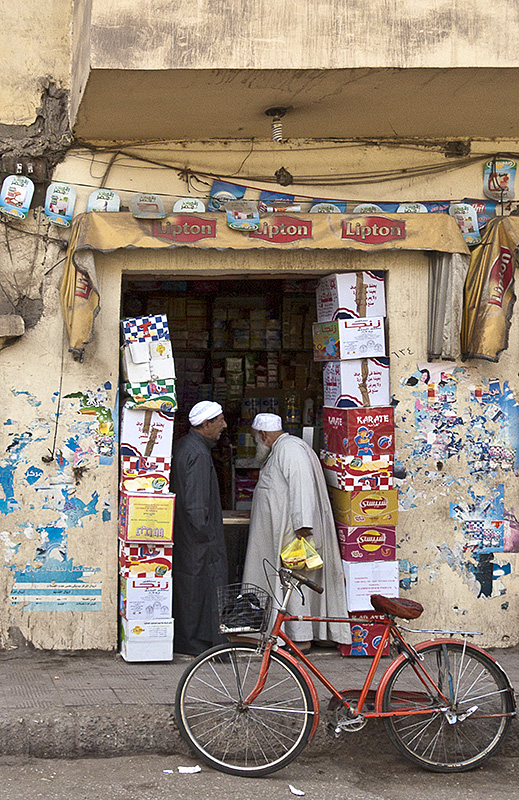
x,y
471,725
252,741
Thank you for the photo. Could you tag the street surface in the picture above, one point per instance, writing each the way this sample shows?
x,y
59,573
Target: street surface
x,y
371,774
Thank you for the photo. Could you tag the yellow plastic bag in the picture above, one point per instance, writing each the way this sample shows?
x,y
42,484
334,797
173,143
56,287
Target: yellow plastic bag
x,y
293,555
301,554
313,559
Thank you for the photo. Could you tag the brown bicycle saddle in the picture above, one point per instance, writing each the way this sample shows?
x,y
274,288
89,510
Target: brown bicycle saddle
x,y
396,606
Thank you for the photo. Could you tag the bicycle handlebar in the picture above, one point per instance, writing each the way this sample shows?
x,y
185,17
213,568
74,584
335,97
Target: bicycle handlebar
x,y
307,582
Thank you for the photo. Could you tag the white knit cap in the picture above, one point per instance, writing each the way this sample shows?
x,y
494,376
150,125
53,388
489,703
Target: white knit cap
x,y
267,422
206,409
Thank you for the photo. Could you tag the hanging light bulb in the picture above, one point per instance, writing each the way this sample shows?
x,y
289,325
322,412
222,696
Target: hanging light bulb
x,y
277,126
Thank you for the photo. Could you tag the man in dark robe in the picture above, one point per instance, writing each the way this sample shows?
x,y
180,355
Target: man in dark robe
x,y
199,556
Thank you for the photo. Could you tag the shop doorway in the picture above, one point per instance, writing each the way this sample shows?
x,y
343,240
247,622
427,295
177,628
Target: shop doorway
x,y
246,343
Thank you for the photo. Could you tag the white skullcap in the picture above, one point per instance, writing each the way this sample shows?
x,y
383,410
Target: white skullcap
x,y
267,422
206,409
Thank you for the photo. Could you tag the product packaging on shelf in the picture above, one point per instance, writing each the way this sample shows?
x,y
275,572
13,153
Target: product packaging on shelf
x,y
138,560
359,431
357,472
346,339
348,295
146,517
147,640
365,638
145,598
146,433
377,543
357,383
364,507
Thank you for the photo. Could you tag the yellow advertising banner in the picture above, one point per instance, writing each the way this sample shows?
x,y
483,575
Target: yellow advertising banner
x,y
107,232
489,291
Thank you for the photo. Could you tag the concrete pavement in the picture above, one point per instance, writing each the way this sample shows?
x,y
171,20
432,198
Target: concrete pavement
x,y
55,705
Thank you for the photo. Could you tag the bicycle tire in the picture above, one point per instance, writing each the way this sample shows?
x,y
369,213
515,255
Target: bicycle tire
x,y
430,740
253,742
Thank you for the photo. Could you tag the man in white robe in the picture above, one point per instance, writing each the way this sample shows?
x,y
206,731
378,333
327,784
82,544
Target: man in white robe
x,y
290,499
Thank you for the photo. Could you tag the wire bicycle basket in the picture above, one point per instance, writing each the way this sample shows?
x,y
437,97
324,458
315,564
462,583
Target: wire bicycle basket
x,y
243,608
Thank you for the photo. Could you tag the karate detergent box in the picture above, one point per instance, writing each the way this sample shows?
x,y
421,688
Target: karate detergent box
x,y
359,431
146,517
349,338
367,544
146,640
145,598
357,383
357,472
364,508
147,353
349,295
139,560
366,578
139,474
146,433
366,635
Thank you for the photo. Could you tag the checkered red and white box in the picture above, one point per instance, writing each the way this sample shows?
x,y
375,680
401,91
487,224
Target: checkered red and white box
x,y
143,560
349,473
145,474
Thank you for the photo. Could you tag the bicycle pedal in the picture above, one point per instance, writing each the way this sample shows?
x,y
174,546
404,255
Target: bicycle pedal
x,y
333,730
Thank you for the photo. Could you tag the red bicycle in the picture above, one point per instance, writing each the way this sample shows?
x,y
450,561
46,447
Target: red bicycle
x,y
249,709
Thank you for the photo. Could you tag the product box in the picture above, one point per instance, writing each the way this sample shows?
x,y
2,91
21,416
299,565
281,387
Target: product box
x,y
349,338
146,433
367,544
146,517
145,598
366,635
348,295
146,640
357,472
148,361
357,383
155,395
359,431
366,578
145,474
145,560
145,329
364,508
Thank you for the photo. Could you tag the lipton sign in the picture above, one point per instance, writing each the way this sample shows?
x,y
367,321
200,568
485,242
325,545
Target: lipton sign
x,y
373,230
186,228
282,230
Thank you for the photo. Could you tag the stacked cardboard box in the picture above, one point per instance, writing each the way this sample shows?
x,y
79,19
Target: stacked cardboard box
x,y
359,446
146,508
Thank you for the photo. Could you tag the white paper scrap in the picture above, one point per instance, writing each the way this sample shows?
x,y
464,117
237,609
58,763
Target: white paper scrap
x,y
189,770
298,792
168,771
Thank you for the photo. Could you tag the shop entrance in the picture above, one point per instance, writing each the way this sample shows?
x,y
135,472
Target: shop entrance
x,y
248,345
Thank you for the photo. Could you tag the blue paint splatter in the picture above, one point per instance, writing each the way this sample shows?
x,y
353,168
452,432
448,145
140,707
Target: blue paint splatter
x,y
30,398
108,385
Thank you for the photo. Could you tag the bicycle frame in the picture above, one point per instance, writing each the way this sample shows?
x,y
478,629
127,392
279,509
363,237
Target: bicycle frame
x,y
305,665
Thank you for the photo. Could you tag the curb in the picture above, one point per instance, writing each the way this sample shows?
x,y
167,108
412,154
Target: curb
x,y
91,732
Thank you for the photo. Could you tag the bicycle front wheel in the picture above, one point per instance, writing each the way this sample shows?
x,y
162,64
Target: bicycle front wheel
x,y
256,740
472,723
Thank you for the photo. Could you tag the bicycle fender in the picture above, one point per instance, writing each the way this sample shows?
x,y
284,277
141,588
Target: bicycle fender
x,y
308,680
421,646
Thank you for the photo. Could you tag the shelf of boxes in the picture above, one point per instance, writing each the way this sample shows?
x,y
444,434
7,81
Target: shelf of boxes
x,y
359,443
146,507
